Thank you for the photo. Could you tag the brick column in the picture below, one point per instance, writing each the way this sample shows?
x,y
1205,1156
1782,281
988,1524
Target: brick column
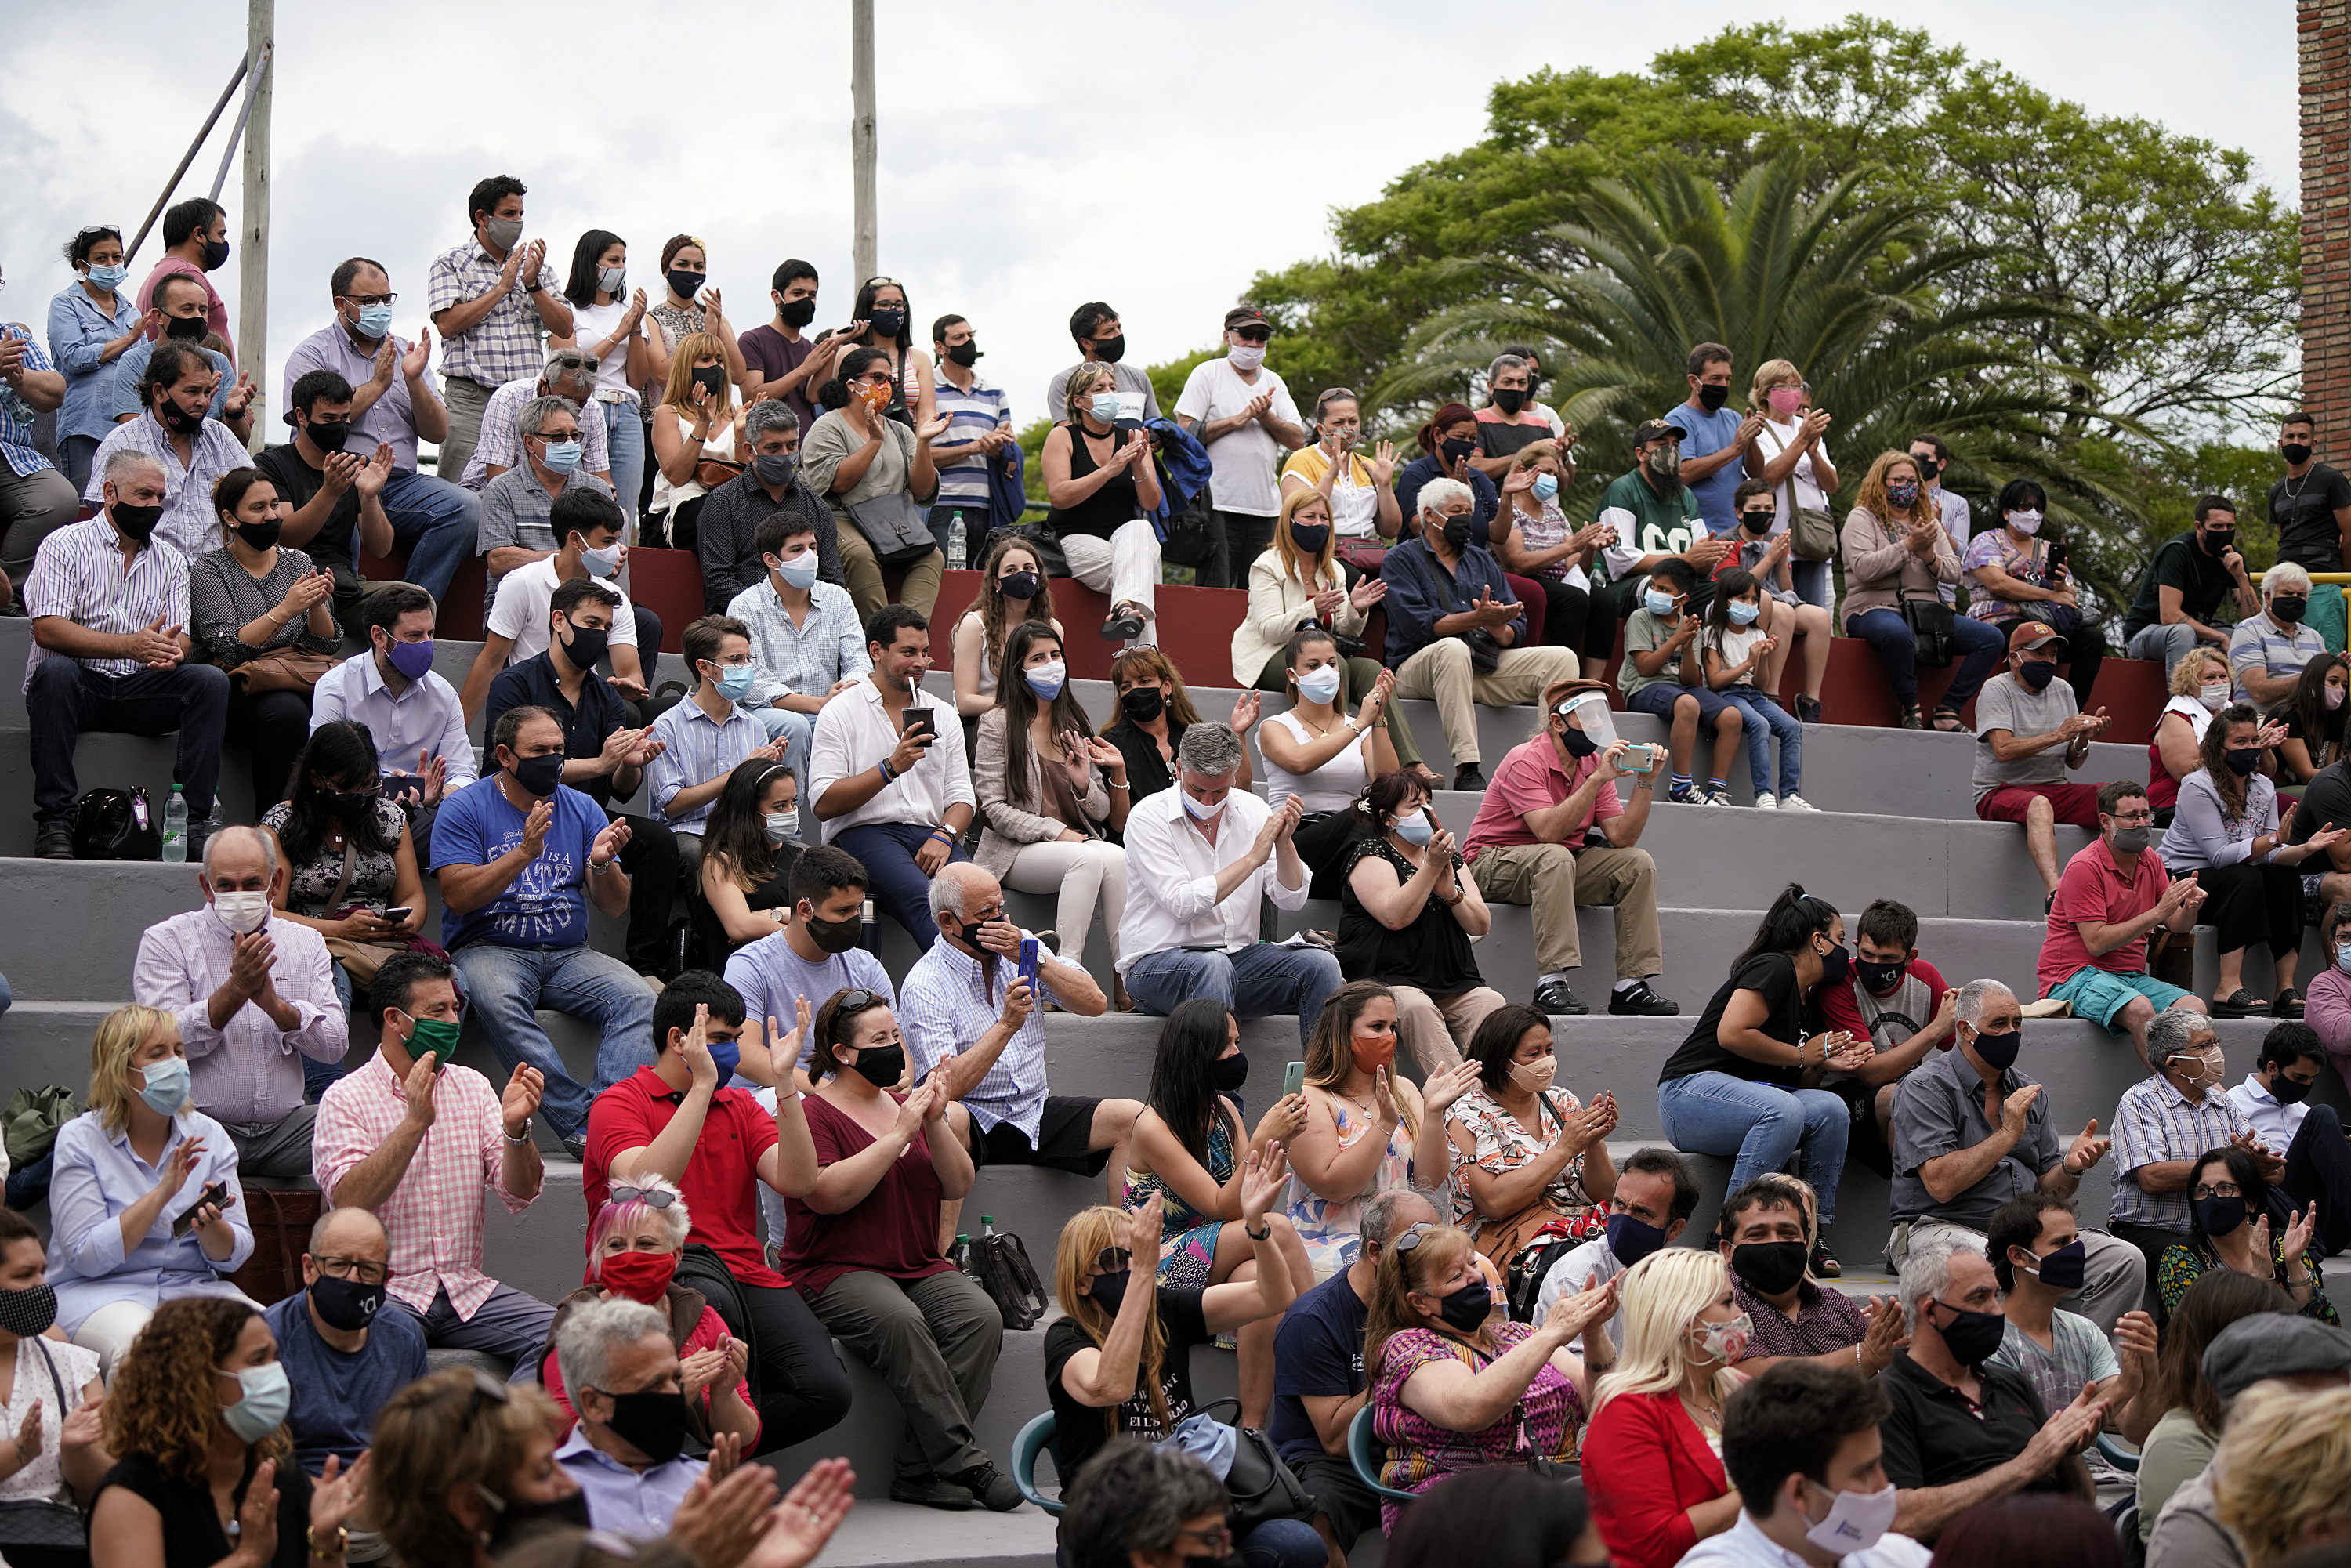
x,y
2324,29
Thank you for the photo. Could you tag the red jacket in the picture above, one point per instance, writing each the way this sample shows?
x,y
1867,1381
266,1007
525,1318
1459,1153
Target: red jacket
x,y
1645,1463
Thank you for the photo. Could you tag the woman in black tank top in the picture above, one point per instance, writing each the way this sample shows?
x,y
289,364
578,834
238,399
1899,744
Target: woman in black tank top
x,y
1096,445
1103,485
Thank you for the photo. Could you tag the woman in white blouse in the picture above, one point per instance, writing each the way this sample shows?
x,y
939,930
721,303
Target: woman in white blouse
x,y
1318,753
1791,456
59,1457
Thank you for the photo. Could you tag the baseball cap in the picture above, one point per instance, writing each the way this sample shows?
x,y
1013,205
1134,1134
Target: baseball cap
x,y
1241,316
1656,430
2032,634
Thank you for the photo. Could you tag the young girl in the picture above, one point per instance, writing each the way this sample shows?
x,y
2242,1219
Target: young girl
x,y
1734,648
1786,613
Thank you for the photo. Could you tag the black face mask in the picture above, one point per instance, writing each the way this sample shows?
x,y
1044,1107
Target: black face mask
x,y
587,647
1577,744
538,776
1309,538
1019,585
1999,1051
967,932
775,469
346,1304
1713,398
1465,1309
888,321
1837,964
1771,1267
1758,523
2219,1216
963,354
712,380
1972,1337
1879,978
1510,400
797,313
652,1422
2037,673
185,329
28,1312
835,935
518,1521
178,420
1232,1071
2219,542
1111,351
1141,704
349,808
215,253
1928,467
1108,1290
2283,1089
261,535
137,523
1631,1240
1460,533
682,283
2287,610
1455,451
880,1065
2297,453
329,435
2065,1267
2242,759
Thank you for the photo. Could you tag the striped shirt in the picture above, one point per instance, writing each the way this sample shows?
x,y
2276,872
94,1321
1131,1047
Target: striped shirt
x,y
501,347
2263,645
948,1001
799,659
79,574
2156,1122
189,524
700,748
970,415
16,415
501,438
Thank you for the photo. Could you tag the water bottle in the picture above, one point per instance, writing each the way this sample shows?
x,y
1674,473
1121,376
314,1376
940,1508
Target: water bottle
x,y
987,1226
956,540
869,934
175,827
960,1253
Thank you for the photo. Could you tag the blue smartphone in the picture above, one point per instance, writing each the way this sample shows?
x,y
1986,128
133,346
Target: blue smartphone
x,y
1029,965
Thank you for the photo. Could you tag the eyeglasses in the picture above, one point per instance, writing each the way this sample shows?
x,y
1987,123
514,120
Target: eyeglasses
x,y
371,298
550,435
365,1273
1217,1541
570,360
2217,1190
2135,820
1110,1260
653,1196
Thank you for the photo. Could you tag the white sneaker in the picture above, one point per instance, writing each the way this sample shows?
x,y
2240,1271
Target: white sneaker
x,y
1720,798
1792,801
1766,801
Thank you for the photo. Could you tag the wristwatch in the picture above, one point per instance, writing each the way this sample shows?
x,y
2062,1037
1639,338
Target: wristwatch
x,y
340,1541
525,1134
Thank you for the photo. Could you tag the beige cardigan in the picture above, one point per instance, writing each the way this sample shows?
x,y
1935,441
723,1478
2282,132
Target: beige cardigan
x,y
1881,568
1007,827
1276,604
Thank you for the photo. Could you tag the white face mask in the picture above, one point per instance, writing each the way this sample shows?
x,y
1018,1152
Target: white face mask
x,y
1246,356
1199,812
242,913
1320,686
2215,697
1856,1521
2027,523
780,825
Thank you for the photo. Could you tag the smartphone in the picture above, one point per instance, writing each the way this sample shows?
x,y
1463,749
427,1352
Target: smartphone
x,y
2056,558
403,912
1293,1079
1640,757
216,1193
1029,963
918,721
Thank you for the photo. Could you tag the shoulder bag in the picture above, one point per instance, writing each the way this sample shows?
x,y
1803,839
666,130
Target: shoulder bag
x,y
999,1262
116,825
1262,1486
361,960
282,670
1812,533
1931,626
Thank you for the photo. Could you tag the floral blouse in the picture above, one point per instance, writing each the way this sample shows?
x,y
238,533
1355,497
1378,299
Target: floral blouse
x,y
2185,1263
1994,547
372,873
1547,1423
1503,1146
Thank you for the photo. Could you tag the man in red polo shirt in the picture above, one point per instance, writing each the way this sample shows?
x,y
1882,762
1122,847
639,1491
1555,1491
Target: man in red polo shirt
x,y
683,1119
1528,846
2114,892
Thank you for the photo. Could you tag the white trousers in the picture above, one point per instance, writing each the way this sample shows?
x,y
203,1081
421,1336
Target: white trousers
x,y
1125,566
1087,876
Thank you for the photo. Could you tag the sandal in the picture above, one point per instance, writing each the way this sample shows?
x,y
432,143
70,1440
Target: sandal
x,y
1909,719
2288,1004
1945,711
2239,1003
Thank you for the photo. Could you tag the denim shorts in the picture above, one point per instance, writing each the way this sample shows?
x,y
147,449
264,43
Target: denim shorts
x,y
2099,994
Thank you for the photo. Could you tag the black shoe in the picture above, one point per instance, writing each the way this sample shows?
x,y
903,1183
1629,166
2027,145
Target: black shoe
x,y
577,1147
55,839
199,831
1808,710
1639,1001
1553,996
1468,777
938,1492
1050,941
1823,1266
994,1490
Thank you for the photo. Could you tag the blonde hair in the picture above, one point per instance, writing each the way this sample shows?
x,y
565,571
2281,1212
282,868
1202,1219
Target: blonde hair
x,y
2189,673
1083,1239
1085,377
120,1035
1875,500
2283,1465
1402,1272
1662,1295
1285,543
679,393
1769,374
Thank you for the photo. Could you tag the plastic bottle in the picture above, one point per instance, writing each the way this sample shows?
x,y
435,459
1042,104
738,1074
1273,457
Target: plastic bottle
x,y
987,1225
175,827
960,1253
956,540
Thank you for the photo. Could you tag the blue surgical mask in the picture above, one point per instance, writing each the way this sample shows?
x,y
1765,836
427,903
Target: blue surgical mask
x,y
1415,829
1106,406
108,277
2343,958
799,572
601,563
1743,612
375,321
166,1092
562,456
1320,686
1546,485
1046,680
726,1055
734,681
269,1397
1658,604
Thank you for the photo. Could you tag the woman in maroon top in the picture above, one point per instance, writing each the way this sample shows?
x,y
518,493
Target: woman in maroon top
x,y
861,1242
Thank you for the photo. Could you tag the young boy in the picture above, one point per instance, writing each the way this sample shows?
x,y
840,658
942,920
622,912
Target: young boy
x,y
1661,677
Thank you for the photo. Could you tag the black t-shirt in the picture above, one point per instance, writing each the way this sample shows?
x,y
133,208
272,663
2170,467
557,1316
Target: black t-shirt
x,y
2202,580
534,684
298,482
1496,439
1933,1438
2302,511
1318,1352
2326,798
1773,976
1433,952
1079,1430
1147,772
192,1537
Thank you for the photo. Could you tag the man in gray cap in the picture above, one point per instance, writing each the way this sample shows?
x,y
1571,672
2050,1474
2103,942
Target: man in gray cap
x,y
2295,1352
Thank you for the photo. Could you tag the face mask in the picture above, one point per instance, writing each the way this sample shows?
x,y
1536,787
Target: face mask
x,y
875,395
1111,351
2343,958
109,278
1743,612
2219,1216
538,776
1772,1267
1246,356
329,435
1459,532
798,312
1577,744
261,535
2065,1267
1229,1073
1535,1076
1758,523
640,1276
2217,541
1632,1240
215,253
779,826
1374,1057
682,283
1510,400
1999,1051
2131,842
1903,493
652,1422
1046,679
733,682
962,354
1722,1342
346,1304
1105,406
1141,704
1108,1290
1837,964
242,913
800,573
2295,451
1455,451
1711,398
835,935
1879,978
1856,1521
28,1312
1309,538
1019,586
1198,812
587,647
1415,830
1929,468
166,1090
2037,673
375,320
2286,611
2242,761
1320,686
775,469
1785,401
2026,523
1972,1337
1465,1309
601,563
880,1065
2214,696
712,380
612,279
178,420
2335,696
561,457
2288,1091
513,1522
502,232
1657,604
1664,462
726,1055
137,523
1546,485
268,1395
888,321
435,1037
185,329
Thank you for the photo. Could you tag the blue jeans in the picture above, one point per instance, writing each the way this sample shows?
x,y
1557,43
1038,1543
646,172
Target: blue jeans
x,y
1766,718
439,522
1813,581
1281,1543
1762,1125
506,986
624,441
1979,641
797,730
901,890
1256,982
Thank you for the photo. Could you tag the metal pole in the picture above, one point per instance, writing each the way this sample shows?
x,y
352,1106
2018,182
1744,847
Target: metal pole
x,y
253,272
867,244
189,157
237,131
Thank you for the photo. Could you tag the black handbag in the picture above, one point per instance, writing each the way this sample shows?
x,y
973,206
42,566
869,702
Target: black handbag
x,y
999,1262
1262,1485
1191,533
116,825
1930,623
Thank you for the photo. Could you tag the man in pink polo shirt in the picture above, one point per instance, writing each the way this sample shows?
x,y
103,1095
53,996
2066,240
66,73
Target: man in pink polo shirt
x,y
1528,846
2114,892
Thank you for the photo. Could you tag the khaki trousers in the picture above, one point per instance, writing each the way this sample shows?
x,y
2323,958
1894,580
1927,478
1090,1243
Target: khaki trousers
x,y
1442,670
919,591
1551,880
1435,1028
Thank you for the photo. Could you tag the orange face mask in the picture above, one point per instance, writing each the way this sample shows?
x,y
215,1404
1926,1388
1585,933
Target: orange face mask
x,y
1371,1057
876,395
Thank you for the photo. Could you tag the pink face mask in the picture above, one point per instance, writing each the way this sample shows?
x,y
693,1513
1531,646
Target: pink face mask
x,y
1785,401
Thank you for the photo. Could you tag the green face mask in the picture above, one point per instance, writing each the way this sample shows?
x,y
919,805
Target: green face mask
x,y
434,1037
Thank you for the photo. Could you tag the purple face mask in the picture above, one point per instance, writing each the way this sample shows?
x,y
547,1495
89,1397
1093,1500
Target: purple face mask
x,y
413,659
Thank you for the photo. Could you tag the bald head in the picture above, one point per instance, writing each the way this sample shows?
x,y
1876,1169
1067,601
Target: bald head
x,y
350,1233
240,859
966,891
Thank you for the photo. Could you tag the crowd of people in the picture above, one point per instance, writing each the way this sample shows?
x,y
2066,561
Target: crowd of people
x,y
1442,1287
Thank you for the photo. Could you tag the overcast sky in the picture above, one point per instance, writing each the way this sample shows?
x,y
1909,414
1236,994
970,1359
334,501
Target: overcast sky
x,y
1033,155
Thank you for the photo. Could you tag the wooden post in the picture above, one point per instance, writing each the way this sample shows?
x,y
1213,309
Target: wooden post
x,y
861,145
253,268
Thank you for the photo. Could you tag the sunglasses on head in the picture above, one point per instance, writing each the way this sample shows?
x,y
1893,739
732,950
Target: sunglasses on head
x,y
653,1196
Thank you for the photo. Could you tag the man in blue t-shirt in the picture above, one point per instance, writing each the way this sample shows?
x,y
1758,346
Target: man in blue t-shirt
x,y
345,1356
1715,439
521,856
1318,1372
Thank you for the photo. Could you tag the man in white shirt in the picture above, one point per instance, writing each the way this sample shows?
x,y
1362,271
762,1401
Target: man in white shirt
x,y
1199,857
412,715
589,524
2274,1100
1655,1195
1801,1446
887,773
620,1369
1244,415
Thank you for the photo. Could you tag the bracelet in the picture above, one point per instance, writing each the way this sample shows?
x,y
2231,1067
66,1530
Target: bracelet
x,y
342,1540
525,1134
1258,1234
887,773
1115,784
946,836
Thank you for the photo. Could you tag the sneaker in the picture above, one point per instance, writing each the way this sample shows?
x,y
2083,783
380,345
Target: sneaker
x,y
1553,996
1719,798
938,1491
1823,1264
1469,777
1767,801
1050,941
577,1147
1808,710
994,1490
1688,795
1792,801
1637,1001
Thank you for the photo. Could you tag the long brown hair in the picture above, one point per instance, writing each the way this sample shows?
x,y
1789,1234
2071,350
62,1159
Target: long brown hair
x,y
993,608
1401,1270
445,1430
1146,665
738,829
2213,750
2218,1298
163,1407
1330,1054
1083,1239
1020,705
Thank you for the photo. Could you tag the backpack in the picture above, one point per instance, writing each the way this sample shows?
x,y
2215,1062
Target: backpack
x,y
116,825
999,1262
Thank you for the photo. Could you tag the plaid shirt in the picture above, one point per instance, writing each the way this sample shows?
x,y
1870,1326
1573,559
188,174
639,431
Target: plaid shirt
x,y
797,659
501,347
946,1003
16,415
1824,1320
79,573
189,524
434,1215
2156,1122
